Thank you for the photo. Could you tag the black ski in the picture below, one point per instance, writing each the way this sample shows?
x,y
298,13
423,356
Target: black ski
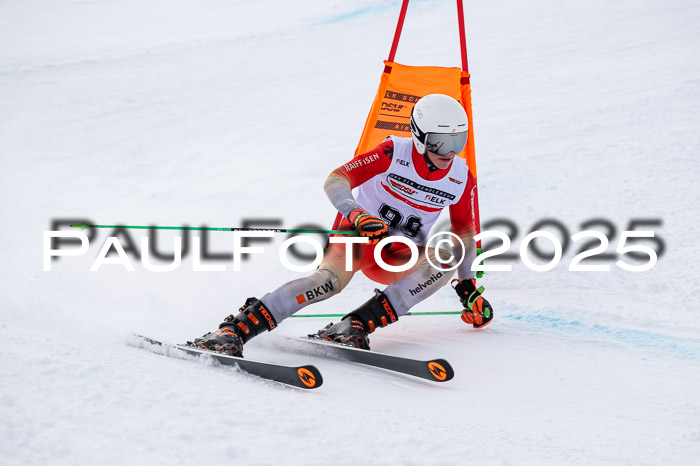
x,y
306,377
437,370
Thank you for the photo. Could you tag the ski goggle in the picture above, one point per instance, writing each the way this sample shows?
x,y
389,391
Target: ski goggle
x,y
443,144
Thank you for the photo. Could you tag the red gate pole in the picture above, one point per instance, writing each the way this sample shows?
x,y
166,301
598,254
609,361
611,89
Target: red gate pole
x,y
397,35
462,36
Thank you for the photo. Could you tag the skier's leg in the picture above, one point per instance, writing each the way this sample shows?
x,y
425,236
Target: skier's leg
x,y
422,281
410,287
297,294
259,315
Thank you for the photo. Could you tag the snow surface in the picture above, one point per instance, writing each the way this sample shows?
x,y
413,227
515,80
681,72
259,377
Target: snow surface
x,y
177,112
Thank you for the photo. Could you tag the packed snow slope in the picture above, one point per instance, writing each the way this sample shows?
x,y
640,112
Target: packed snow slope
x,y
176,112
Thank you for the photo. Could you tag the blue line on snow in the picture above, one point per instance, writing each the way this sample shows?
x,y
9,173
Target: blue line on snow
x,y
640,338
395,5
353,14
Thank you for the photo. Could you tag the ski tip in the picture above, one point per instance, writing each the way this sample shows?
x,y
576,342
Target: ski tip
x,y
310,377
142,338
440,370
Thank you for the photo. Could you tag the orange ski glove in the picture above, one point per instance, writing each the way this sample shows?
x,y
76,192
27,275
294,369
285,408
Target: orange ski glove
x,y
368,225
477,311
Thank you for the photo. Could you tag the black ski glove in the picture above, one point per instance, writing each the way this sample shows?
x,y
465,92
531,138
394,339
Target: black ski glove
x,y
477,311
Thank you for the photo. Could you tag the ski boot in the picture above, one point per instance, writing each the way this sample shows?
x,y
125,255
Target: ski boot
x,y
233,332
354,328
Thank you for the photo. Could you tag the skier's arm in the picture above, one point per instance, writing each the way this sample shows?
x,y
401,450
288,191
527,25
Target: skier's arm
x,y
477,310
339,184
339,192
462,221
464,270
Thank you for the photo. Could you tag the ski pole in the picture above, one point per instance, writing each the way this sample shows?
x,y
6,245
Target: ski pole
x,y
437,313
84,226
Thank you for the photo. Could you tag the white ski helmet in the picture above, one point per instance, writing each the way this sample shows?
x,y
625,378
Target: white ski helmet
x,y
439,124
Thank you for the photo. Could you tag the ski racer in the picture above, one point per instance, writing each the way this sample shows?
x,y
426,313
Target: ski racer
x,y
403,185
